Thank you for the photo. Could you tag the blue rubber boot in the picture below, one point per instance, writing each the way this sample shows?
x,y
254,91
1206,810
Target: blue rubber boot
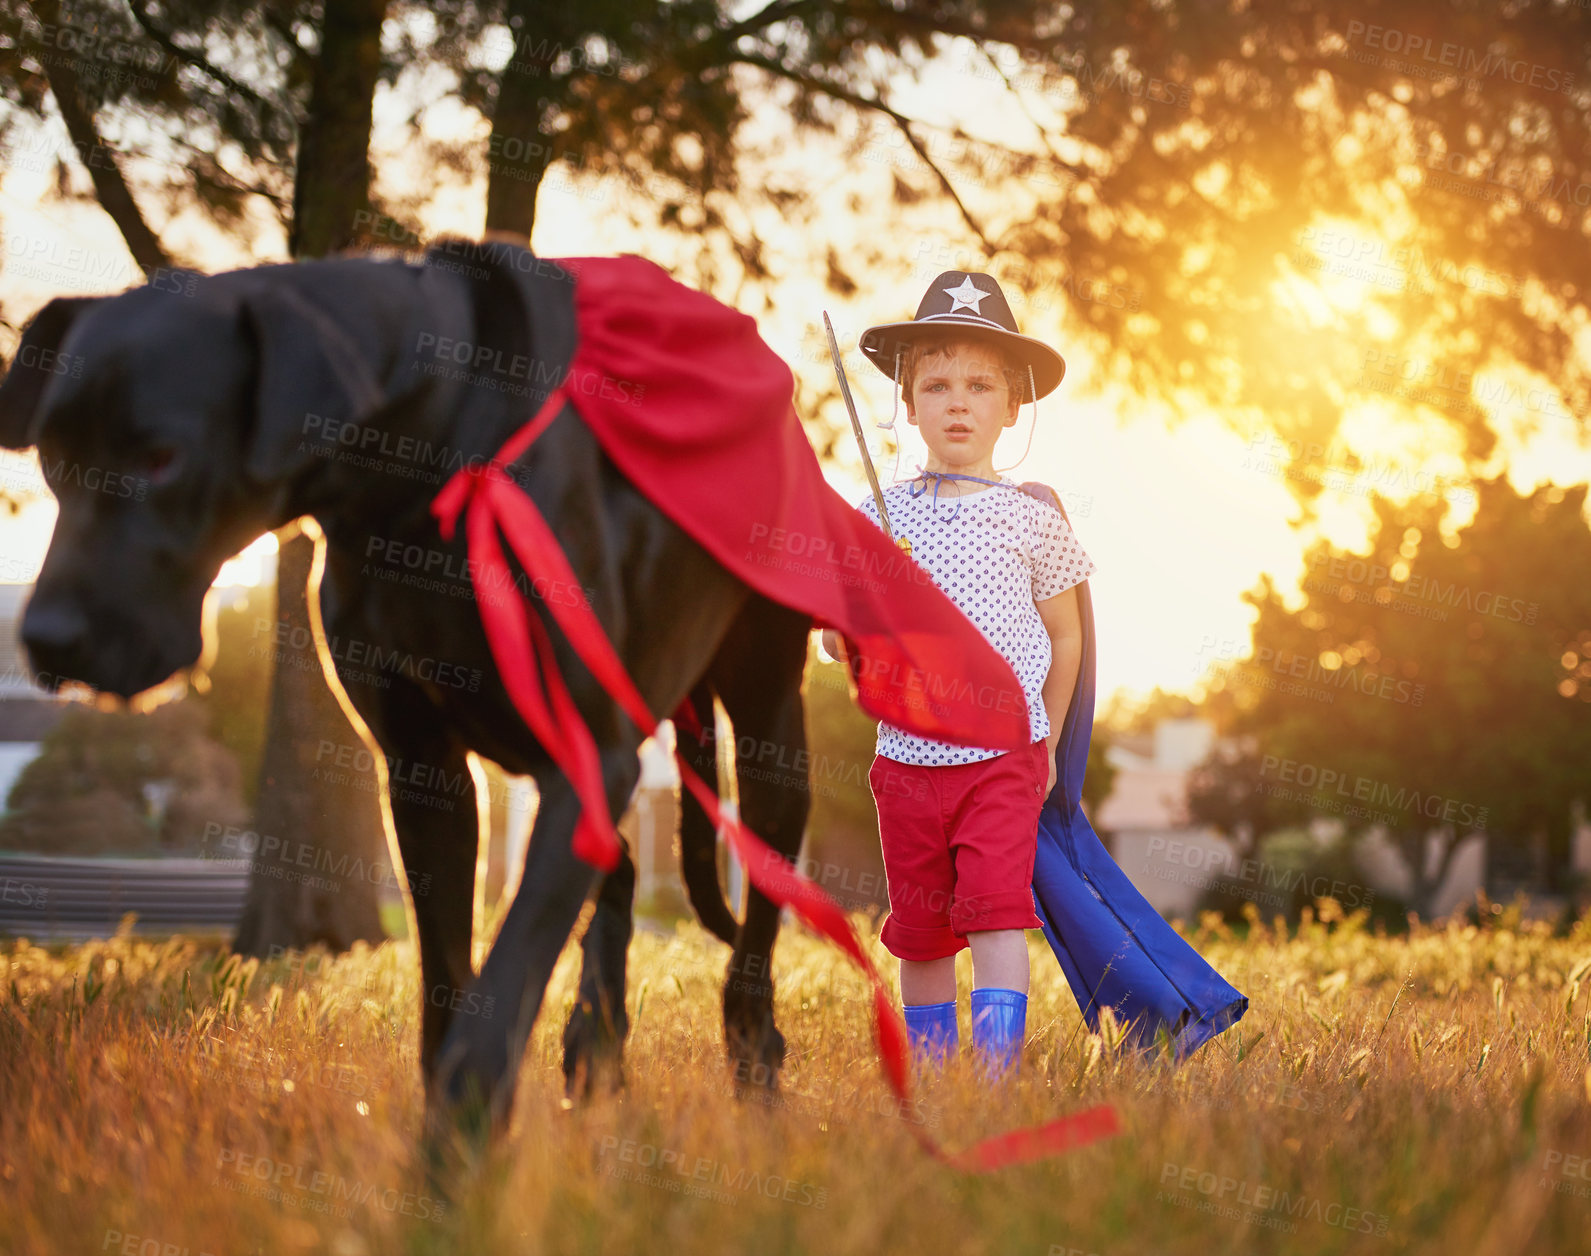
x,y
999,1025
931,1029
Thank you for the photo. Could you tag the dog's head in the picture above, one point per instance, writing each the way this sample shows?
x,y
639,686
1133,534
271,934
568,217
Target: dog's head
x,y
168,427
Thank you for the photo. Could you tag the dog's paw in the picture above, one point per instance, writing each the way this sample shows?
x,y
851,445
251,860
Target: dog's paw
x,y
593,1052
755,1046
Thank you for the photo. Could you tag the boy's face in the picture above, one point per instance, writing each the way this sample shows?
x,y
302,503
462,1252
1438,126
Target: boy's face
x,y
962,403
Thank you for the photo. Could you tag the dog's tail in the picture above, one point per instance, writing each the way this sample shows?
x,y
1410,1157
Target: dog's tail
x,y
698,839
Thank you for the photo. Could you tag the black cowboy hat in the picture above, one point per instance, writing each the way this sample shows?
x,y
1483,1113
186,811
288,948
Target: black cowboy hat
x,y
969,303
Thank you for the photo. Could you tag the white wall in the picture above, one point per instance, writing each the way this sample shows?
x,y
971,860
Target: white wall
x,y
14,756
1173,868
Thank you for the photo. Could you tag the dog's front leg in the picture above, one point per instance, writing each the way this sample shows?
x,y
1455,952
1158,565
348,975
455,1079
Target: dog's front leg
x,y
432,804
438,836
478,1068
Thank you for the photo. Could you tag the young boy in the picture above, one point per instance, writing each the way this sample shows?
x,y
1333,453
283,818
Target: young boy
x,y
958,825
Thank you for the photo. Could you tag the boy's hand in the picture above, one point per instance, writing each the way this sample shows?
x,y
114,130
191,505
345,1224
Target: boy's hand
x,y
1050,743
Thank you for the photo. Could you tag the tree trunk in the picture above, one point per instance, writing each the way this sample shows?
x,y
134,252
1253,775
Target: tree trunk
x,y
330,821
512,183
1558,840
322,852
332,182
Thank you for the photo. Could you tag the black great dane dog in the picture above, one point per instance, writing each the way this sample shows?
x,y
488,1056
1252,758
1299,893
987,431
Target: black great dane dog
x,y
228,400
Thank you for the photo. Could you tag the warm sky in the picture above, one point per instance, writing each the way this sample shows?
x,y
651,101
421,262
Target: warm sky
x,y
1180,516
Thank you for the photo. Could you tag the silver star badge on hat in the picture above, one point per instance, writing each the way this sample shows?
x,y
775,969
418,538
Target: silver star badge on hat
x,y
967,296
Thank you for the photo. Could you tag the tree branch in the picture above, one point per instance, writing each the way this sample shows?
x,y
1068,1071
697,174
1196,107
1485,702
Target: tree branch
x,y
197,60
234,184
109,186
858,101
1044,134
775,11
286,31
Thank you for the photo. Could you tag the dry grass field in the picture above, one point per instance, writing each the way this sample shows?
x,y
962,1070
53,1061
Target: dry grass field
x,y
1424,1094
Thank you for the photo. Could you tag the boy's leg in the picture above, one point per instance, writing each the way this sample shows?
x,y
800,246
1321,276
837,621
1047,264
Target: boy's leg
x,y
999,958
930,980
928,1002
999,995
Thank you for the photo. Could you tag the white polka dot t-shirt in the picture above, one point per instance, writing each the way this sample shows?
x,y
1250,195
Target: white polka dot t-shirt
x,y
1001,552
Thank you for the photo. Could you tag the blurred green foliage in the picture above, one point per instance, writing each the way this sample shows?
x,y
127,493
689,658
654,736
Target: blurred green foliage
x,y
1442,680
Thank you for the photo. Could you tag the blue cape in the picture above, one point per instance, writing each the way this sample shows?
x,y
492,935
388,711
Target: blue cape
x,y
1115,949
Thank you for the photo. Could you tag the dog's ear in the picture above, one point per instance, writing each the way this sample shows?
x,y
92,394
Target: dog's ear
x,y
307,366
37,361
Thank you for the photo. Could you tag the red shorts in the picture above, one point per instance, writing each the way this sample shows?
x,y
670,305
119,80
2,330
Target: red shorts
x,y
959,844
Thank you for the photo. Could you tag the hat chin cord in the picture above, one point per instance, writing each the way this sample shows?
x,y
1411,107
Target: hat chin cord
x,y
1033,391
894,475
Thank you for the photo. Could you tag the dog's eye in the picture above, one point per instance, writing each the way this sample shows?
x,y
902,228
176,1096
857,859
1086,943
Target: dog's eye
x,y
159,460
